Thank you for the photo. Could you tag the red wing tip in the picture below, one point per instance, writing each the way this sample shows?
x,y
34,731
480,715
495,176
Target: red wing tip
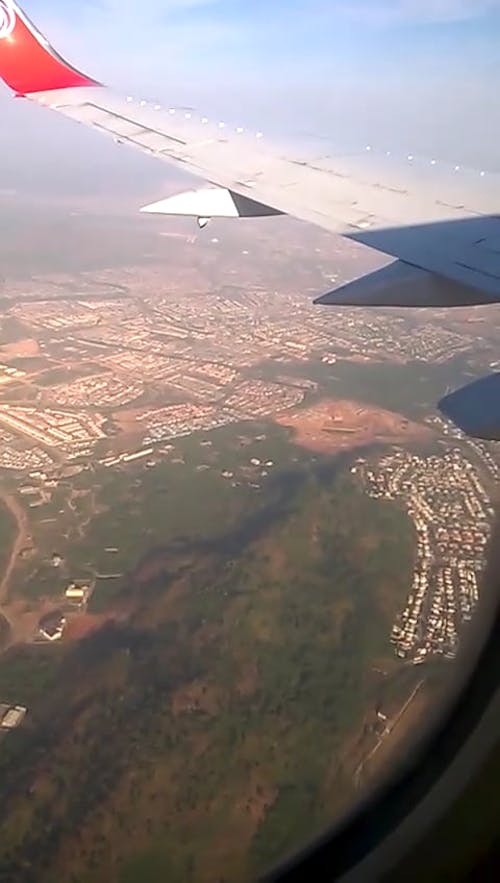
x,y
28,63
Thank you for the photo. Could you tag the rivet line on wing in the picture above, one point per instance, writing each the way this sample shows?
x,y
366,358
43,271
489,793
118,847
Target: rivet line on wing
x,y
187,115
410,157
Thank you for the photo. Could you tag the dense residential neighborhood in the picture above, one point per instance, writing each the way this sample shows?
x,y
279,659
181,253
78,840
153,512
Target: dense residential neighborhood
x,y
451,513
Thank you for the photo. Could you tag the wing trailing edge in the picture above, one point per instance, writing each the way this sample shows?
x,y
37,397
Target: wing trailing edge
x,y
475,408
28,63
401,284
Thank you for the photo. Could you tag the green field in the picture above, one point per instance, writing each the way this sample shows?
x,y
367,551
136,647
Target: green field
x,y
134,509
411,389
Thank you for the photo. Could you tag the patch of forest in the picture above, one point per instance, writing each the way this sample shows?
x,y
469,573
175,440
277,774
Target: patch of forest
x,y
206,736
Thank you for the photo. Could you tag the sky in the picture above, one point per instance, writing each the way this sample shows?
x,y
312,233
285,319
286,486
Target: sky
x,y
409,75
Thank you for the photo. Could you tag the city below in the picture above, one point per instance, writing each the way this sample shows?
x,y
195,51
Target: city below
x,y
240,547
114,375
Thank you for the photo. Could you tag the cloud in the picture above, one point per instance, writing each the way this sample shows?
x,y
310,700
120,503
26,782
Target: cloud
x,y
398,10
207,17
367,12
209,33
410,12
138,34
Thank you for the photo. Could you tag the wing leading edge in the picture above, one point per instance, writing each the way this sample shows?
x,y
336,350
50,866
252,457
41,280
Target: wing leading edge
x,y
442,229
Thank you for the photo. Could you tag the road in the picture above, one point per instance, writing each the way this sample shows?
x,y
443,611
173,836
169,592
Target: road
x,y
390,726
22,539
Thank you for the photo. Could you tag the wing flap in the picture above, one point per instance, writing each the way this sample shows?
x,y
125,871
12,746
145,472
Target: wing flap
x,y
475,408
400,284
138,132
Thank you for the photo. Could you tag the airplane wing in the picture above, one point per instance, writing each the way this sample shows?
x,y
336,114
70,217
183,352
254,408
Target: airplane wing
x,y
441,225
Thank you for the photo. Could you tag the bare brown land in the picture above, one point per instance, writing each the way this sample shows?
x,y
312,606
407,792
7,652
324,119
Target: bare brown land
x,y
24,618
337,424
27,347
85,624
131,431
127,419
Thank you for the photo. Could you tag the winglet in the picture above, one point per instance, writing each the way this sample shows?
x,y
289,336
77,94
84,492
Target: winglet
x,y
28,63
